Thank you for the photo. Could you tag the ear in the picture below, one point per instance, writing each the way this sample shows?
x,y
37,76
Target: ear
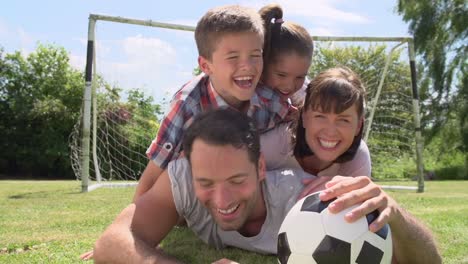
x,y
261,168
359,127
205,65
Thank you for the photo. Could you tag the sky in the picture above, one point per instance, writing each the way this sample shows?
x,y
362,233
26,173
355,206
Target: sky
x,y
159,61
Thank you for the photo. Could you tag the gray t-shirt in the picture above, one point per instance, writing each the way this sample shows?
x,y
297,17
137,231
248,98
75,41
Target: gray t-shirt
x,y
280,191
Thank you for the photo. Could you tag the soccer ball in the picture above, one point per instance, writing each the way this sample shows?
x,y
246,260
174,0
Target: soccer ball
x,y
311,234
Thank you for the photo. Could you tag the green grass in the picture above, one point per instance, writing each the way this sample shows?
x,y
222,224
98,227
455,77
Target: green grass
x,y
52,222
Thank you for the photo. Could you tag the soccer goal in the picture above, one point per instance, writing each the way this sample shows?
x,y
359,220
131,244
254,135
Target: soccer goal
x,y
109,142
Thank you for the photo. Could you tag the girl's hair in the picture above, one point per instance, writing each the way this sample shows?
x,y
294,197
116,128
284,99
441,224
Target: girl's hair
x,y
283,37
333,90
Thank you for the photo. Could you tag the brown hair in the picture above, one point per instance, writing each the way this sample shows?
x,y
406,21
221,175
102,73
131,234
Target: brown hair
x,y
223,20
283,37
333,90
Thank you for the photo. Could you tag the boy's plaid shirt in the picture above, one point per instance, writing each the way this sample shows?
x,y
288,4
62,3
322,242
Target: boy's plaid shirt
x,y
198,95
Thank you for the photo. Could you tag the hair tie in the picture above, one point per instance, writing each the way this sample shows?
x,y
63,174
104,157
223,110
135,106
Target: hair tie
x,y
279,21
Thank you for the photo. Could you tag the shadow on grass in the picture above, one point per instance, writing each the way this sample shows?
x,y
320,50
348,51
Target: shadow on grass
x,y
40,194
31,195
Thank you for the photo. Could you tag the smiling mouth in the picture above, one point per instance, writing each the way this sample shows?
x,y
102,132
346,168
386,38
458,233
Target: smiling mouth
x,y
229,210
244,81
283,92
328,143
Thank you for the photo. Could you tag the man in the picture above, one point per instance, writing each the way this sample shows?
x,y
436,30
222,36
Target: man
x,y
227,199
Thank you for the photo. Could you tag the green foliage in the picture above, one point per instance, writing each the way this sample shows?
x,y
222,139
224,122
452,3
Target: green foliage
x,y
40,98
445,154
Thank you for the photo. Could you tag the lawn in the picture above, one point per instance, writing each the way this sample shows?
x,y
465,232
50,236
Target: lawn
x,y
52,222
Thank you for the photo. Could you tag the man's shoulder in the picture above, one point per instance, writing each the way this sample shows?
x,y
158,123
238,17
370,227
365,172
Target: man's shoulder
x,y
285,178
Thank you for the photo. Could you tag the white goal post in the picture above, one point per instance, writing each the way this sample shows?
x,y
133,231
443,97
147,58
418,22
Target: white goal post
x,y
88,155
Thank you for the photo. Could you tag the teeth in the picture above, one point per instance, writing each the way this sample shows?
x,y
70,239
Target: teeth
x,y
243,78
283,92
229,210
328,144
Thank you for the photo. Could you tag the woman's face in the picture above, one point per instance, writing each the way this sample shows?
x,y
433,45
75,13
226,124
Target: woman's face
x,y
328,134
287,73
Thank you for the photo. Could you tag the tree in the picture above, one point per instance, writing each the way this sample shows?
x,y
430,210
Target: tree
x,y
440,29
40,98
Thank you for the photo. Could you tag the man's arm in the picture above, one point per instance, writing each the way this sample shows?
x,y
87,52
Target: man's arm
x,y
412,241
135,233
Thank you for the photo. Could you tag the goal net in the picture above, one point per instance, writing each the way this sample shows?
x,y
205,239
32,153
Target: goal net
x,y
109,142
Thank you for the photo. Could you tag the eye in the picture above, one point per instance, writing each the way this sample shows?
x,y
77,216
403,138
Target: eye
x,y
232,57
282,75
237,181
344,120
205,184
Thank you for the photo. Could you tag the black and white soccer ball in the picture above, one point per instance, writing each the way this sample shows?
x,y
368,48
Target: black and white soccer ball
x,y
311,234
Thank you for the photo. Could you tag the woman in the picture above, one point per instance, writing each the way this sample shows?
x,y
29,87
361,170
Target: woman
x,y
326,139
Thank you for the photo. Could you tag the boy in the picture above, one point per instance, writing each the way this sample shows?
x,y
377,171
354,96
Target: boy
x,y
229,41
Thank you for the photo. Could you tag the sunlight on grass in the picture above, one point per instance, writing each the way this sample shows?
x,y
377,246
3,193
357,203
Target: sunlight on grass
x,y
52,222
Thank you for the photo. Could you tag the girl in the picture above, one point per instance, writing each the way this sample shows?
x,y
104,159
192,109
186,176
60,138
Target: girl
x,y
287,55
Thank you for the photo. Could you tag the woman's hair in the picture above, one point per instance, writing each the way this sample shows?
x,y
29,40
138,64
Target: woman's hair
x,y
283,37
331,91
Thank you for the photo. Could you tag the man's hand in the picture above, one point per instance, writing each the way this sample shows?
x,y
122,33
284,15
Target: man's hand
x,y
355,190
313,185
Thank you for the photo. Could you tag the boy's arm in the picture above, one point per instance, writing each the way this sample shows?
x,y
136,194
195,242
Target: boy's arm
x,y
412,241
134,235
147,179
167,145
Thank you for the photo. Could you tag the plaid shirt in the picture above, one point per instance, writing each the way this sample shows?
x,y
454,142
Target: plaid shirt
x,y
197,96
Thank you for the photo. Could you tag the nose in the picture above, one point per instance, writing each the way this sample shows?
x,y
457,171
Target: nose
x,y
223,197
330,128
250,62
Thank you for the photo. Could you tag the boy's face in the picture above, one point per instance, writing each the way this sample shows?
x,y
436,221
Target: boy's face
x,y
235,67
227,183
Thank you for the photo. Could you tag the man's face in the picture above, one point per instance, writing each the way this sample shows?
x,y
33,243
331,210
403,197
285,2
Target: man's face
x,y
235,66
227,183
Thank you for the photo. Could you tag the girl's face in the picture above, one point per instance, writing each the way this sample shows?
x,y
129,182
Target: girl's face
x,y
287,73
328,134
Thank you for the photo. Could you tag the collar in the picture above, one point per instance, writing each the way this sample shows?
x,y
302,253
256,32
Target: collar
x,y
218,101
